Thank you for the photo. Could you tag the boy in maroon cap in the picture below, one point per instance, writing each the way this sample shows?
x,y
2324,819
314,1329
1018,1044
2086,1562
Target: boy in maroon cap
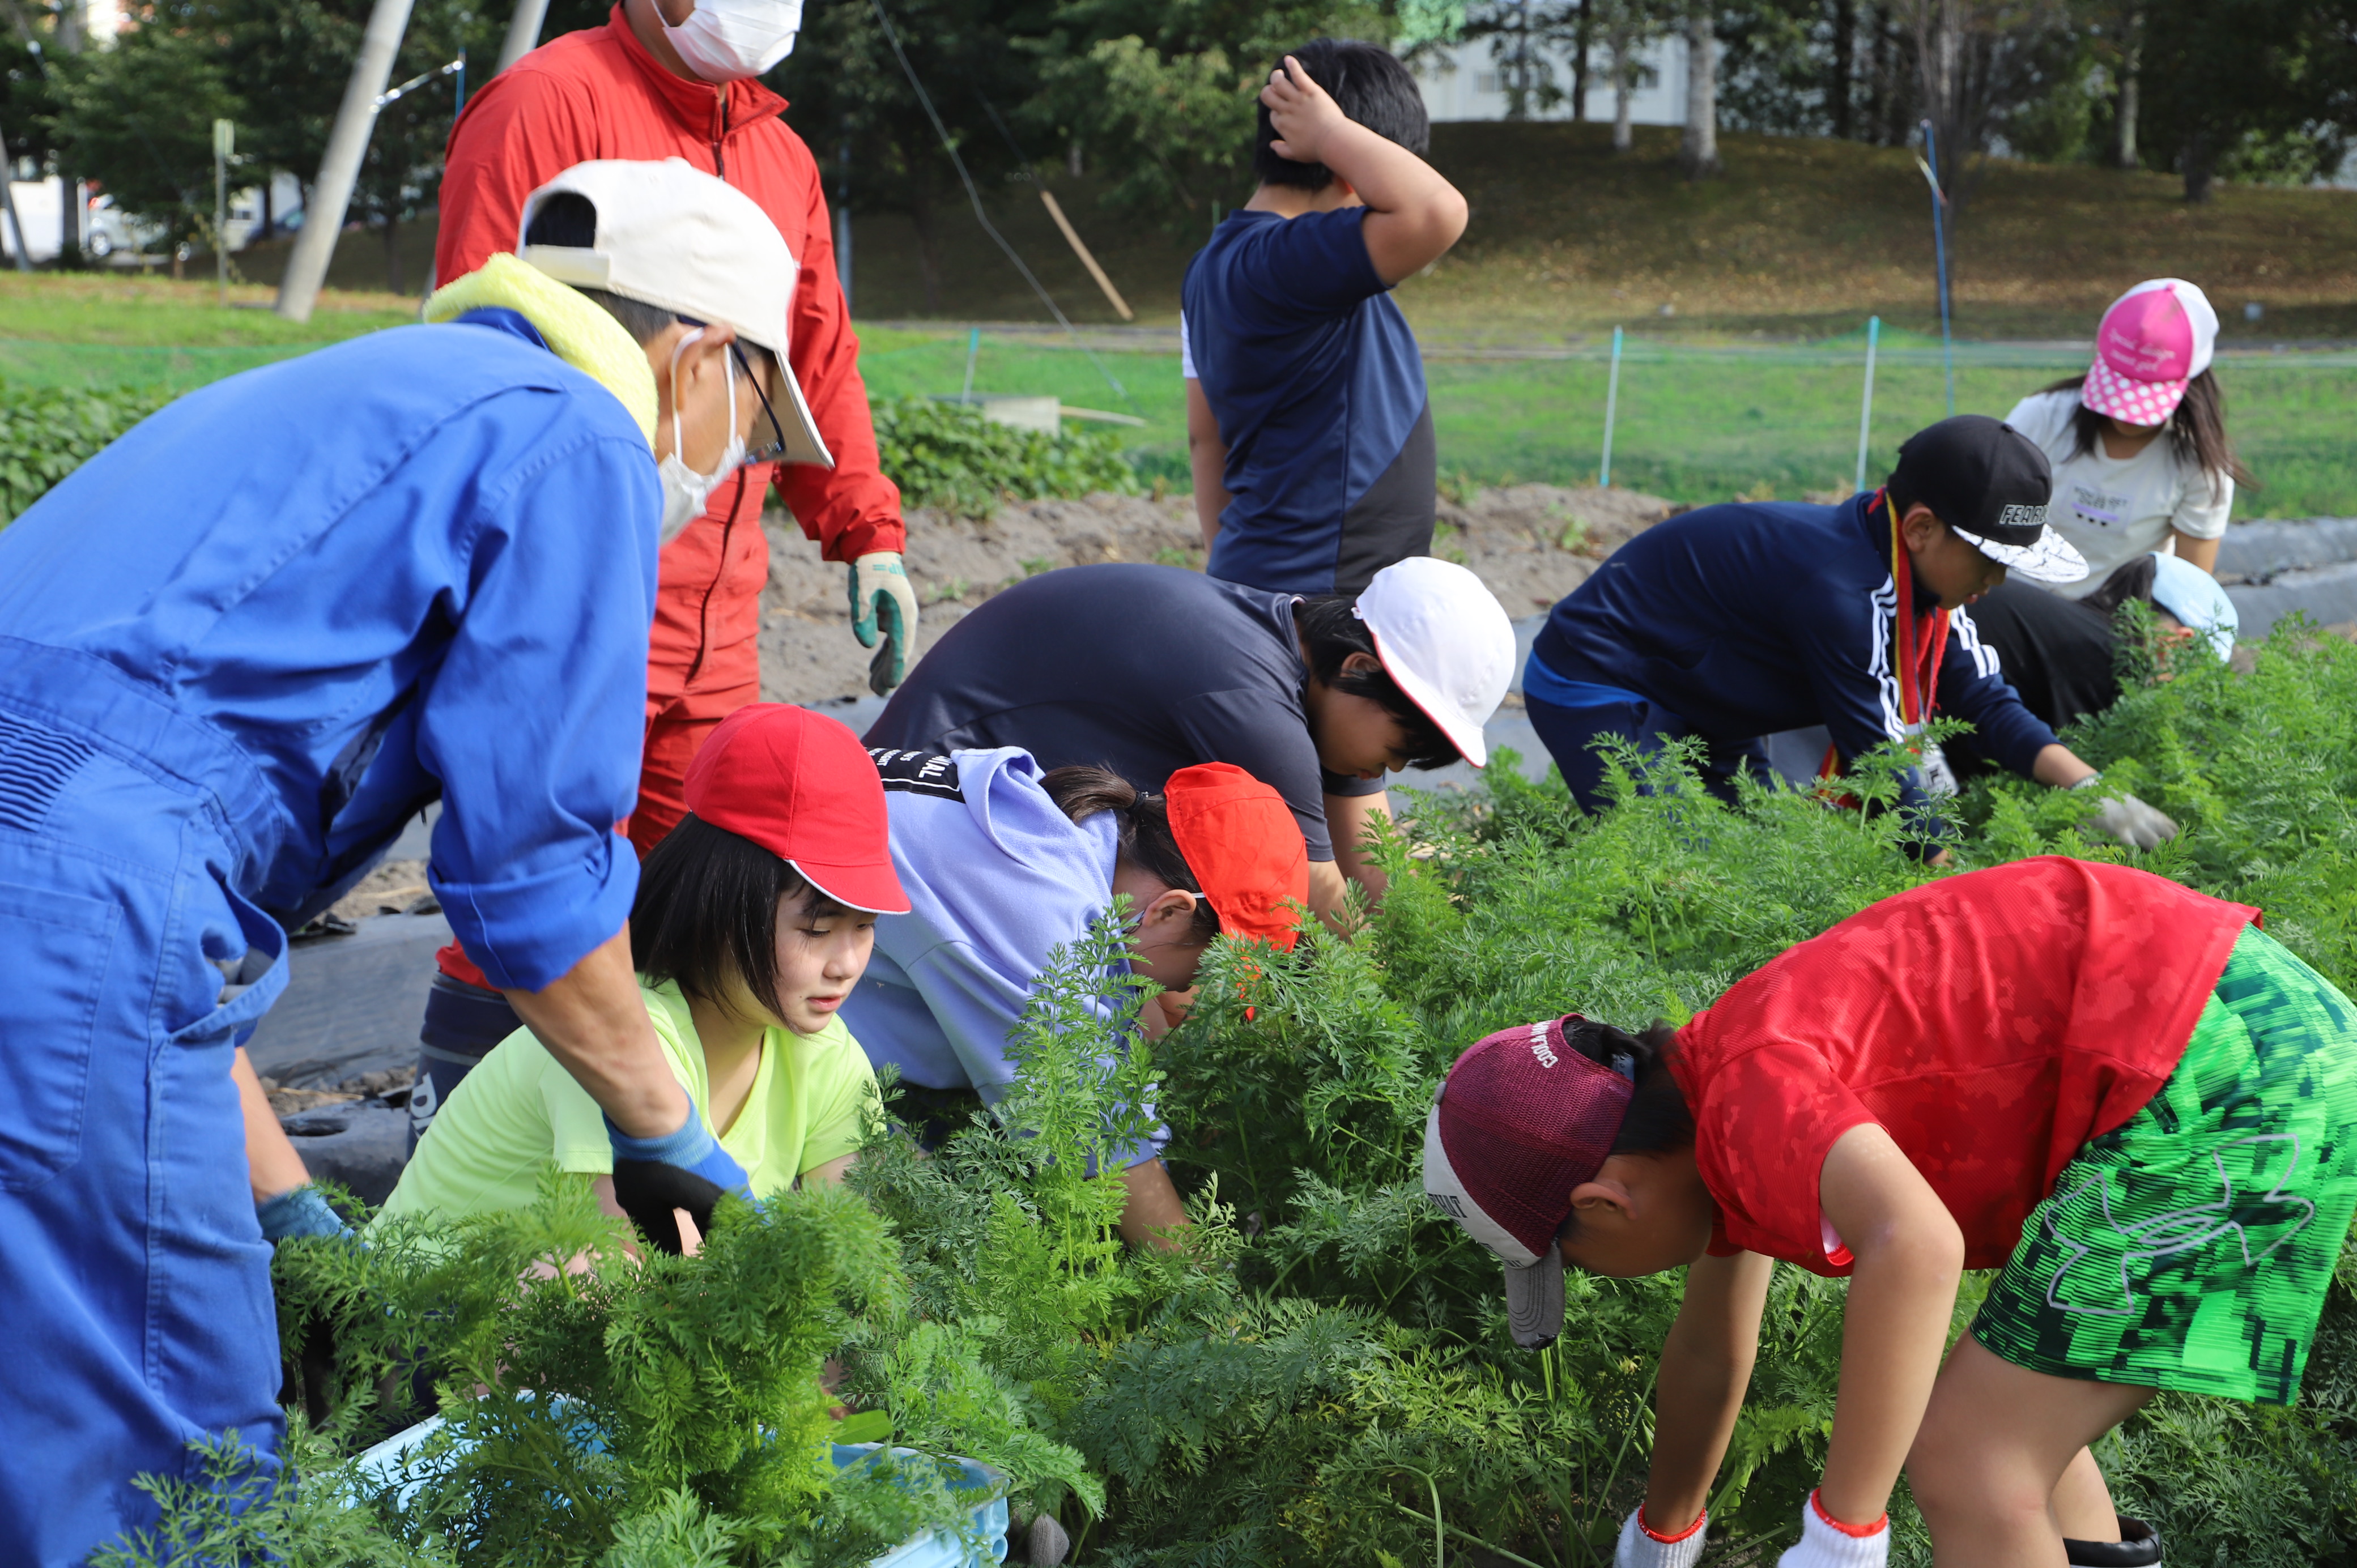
x,y
2120,1091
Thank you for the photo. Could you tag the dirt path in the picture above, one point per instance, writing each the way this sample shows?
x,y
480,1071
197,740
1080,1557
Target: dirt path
x,y
1531,543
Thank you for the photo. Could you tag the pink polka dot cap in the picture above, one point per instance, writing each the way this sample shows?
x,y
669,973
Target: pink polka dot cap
x,y
2155,338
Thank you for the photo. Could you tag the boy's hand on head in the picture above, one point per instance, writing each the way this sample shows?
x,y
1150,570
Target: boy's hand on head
x,y
1302,113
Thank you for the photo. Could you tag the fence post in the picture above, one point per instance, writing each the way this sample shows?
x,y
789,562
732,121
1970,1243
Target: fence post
x,y
1866,405
1611,407
1939,260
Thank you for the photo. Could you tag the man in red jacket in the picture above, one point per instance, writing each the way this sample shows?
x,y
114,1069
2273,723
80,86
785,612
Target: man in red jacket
x,y
677,79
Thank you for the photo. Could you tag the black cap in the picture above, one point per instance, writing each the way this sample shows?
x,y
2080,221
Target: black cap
x,y
1989,483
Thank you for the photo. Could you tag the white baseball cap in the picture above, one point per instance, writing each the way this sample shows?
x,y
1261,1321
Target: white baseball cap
x,y
1444,639
673,237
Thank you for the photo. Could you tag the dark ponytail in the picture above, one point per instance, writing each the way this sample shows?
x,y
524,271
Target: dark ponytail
x,y
1143,831
2196,430
1657,1120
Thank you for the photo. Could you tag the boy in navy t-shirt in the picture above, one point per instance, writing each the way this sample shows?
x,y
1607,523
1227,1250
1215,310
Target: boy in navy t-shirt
x,y
1307,426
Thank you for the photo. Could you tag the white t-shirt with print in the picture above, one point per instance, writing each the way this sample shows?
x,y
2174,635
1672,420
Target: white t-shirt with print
x,y
2113,509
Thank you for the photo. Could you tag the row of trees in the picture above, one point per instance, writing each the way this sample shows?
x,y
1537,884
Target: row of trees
x,y
2263,89
1156,95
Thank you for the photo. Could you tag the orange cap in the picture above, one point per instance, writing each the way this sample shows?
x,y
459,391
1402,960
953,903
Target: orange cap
x,y
1243,846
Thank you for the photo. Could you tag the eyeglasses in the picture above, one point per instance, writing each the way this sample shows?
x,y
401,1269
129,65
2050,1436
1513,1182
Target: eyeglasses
x,y
772,450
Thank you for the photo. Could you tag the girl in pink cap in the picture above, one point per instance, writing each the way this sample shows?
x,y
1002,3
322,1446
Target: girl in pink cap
x,y
2138,444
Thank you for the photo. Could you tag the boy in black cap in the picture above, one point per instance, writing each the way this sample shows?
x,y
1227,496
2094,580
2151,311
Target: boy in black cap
x,y
1734,622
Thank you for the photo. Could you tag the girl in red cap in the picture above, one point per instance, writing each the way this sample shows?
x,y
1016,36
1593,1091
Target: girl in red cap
x,y
1004,864
2122,1094
754,919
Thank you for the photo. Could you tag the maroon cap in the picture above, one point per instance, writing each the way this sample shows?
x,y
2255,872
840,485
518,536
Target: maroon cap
x,y
1522,1119
800,785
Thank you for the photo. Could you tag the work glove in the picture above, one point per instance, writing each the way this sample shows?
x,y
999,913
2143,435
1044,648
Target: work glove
x,y
688,1169
2128,819
1827,1543
300,1212
2138,1547
1640,1548
883,617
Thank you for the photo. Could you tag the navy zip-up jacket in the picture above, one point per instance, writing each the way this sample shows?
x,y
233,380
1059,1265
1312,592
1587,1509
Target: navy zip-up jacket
x,y
1749,618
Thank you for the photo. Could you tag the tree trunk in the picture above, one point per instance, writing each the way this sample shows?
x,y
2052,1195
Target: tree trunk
x,y
1880,73
1698,155
1942,69
1837,86
391,253
1624,45
2198,163
1579,63
71,25
2131,73
269,217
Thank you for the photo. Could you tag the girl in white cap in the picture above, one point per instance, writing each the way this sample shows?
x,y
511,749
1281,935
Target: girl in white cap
x,y
2138,444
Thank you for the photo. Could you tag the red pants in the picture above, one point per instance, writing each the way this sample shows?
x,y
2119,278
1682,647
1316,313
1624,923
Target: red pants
x,y
704,660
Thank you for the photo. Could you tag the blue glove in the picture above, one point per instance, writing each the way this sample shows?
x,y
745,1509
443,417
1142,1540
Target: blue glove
x,y
300,1212
687,1169
883,617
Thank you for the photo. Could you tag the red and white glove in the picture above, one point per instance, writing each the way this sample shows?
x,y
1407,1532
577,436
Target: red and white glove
x,y
1827,1543
1642,1547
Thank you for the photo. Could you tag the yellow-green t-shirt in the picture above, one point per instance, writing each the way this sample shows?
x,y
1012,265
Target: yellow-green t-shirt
x,y
519,1113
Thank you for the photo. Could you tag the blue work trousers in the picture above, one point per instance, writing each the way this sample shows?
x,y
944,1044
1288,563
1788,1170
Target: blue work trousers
x,y
135,1284
1571,734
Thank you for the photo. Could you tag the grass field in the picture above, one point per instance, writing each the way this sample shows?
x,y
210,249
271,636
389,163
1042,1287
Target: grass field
x,y
1801,240
1747,386
1695,424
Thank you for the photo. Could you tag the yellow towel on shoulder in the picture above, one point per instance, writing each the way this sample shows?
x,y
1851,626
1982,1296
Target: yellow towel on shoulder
x,y
576,327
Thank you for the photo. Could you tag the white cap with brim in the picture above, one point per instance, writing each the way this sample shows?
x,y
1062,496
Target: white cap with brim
x,y
2049,558
1445,640
673,237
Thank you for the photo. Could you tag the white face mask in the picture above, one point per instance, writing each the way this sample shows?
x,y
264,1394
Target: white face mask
x,y
732,41
686,492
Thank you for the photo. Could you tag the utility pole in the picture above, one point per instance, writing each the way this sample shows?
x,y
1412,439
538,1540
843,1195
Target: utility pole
x,y
331,196
224,143
523,32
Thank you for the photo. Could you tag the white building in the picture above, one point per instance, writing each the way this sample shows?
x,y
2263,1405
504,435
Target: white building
x,y
1467,82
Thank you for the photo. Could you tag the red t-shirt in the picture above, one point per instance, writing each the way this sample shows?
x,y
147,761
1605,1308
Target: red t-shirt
x,y
1990,1023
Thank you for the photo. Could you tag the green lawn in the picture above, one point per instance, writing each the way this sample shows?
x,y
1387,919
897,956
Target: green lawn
x,y
1695,424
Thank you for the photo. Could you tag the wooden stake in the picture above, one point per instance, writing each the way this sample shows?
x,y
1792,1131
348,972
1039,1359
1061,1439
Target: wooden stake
x,y
1073,235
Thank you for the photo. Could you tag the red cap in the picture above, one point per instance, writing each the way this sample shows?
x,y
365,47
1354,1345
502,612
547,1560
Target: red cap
x,y
800,785
1243,846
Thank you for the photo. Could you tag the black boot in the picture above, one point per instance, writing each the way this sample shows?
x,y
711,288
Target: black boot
x,y
2138,1546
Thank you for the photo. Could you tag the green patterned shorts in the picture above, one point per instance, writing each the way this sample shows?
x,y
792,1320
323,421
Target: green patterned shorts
x,y
2191,1248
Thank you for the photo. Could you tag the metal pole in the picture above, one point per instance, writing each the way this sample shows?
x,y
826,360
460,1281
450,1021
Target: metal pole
x,y
523,32
1940,259
1866,407
1611,407
972,350
224,142
331,195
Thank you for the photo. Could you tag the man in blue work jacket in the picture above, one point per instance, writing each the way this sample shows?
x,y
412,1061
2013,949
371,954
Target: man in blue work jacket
x,y
1733,622
239,648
